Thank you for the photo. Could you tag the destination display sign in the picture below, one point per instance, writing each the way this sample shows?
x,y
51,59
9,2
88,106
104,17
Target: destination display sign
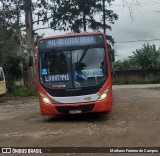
x,y
71,41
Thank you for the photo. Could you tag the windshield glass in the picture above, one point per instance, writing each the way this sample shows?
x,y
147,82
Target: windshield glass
x,y
73,69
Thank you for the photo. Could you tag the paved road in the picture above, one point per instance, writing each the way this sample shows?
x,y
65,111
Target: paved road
x,y
134,121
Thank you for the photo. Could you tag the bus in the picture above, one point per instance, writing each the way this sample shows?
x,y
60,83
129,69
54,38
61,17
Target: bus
x,y
2,82
74,74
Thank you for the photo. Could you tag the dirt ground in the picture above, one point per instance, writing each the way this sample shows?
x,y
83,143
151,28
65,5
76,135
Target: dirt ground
x,y
134,121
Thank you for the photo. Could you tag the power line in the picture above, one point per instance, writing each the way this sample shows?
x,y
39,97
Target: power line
x,y
143,32
136,4
138,41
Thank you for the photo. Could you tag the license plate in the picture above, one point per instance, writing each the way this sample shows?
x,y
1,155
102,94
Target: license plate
x,y
77,111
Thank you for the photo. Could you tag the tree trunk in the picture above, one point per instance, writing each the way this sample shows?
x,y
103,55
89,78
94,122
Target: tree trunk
x,y
19,39
30,46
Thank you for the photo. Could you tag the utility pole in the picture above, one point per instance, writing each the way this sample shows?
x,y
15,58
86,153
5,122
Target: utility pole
x,y
30,44
84,21
104,17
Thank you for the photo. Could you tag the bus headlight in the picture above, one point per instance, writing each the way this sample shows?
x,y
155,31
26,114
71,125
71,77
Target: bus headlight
x,y
44,98
104,94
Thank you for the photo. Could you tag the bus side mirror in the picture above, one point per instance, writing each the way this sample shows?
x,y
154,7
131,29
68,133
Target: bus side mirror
x,y
112,59
112,56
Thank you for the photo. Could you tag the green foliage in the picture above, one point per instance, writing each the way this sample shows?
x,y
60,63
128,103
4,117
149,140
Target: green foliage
x,y
76,15
37,37
147,57
13,69
126,64
20,91
10,60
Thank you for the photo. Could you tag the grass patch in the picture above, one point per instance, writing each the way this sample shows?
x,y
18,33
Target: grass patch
x,y
20,91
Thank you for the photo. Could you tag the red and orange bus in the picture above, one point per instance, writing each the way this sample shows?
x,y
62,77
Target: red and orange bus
x,y
73,74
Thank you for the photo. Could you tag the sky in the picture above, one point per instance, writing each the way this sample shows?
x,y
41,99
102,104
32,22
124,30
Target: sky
x,y
137,22
144,24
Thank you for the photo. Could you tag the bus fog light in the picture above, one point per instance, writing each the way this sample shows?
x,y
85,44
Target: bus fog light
x,y
45,99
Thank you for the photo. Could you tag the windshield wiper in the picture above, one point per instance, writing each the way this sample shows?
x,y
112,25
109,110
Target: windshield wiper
x,y
83,55
79,65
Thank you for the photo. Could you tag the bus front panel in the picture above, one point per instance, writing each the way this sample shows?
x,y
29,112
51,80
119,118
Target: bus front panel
x,y
74,75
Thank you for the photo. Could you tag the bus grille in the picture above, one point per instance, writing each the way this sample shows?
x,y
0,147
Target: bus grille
x,y
66,109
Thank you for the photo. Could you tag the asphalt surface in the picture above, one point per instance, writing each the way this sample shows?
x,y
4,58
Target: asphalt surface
x,y
133,122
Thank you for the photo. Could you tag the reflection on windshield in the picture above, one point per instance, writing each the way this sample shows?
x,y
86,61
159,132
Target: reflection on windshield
x,y
73,69
90,66
55,63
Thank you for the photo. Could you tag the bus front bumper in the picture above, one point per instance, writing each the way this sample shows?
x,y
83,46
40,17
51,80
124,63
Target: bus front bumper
x,y
77,108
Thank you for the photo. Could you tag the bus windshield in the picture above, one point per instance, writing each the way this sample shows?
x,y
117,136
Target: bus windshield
x,y
79,68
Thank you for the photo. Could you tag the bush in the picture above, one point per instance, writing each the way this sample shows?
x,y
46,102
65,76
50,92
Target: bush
x,y
20,91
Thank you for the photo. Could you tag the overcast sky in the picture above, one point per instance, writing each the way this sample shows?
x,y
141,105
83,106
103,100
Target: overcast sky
x,y
143,25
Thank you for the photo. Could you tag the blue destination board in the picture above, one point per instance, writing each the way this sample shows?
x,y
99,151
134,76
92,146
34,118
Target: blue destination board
x,y
71,41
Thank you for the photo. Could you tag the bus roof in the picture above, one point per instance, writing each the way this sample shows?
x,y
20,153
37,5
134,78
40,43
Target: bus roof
x,y
74,34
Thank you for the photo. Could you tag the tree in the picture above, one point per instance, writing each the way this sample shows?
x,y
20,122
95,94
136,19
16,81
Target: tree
x,y
37,37
131,6
146,57
125,64
76,15
73,15
28,6
10,58
10,30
